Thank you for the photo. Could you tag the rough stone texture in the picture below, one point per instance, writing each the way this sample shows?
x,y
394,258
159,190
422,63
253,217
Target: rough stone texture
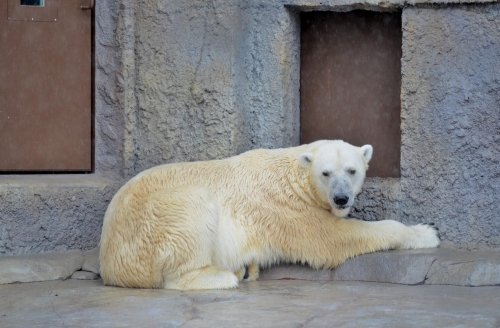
x,y
30,268
466,269
84,275
79,303
339,5
402,267
109,123
91,261
380,199
51,213
411,267
210,82
450,156
180,80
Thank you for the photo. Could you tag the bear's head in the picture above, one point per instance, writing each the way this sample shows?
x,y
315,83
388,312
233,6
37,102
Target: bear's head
x,y
337,171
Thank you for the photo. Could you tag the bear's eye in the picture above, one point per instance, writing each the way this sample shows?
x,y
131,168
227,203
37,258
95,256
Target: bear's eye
x,y
326,173
351,171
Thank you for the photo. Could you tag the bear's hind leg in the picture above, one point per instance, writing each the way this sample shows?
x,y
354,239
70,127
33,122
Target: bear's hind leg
x,y
240,274
248,273
209,277
253,271
182,229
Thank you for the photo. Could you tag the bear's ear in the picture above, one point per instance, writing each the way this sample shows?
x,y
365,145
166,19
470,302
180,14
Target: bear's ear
x,y
367,151
306,159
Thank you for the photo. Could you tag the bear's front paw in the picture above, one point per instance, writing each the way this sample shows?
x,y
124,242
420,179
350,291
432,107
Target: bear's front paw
x,y
421,236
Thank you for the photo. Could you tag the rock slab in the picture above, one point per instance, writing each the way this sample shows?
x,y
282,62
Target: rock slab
x,y
91,261
468,269
410,267
41,267
440,266
84,275
262,304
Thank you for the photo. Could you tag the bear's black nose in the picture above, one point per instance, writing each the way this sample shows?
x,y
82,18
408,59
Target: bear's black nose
x,y
340,200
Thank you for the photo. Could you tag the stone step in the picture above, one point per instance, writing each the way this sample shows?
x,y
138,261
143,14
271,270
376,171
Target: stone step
x,y
73,264
442,266
39,267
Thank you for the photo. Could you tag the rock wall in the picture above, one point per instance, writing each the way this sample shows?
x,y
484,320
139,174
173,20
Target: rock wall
x,y
44,213
450,156
190,80
210,80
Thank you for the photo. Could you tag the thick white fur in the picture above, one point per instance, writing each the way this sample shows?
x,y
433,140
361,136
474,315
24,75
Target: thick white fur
x,y
197,225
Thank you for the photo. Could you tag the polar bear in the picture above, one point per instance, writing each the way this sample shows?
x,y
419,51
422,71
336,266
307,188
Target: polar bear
x,y
197,225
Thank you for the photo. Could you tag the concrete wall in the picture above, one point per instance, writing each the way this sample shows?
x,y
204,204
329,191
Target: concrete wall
x,y
190,80
213,79
450,155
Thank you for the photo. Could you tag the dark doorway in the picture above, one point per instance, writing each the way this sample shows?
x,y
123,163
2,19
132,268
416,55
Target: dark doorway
x,y
351,82
45,86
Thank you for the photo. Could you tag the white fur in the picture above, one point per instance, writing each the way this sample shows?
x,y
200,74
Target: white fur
x,y
198,225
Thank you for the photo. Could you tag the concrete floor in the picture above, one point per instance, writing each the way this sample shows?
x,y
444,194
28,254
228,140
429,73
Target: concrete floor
x,y
282,303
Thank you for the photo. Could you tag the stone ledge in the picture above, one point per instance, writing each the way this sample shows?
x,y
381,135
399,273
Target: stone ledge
x,y
41,267
440,266
378,5
91,261
84,275
469,269
60,181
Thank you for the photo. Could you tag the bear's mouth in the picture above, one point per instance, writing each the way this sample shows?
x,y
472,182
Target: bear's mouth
x,y
340,210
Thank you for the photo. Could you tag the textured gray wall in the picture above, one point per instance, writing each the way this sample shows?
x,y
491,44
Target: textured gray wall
x,y
450,156
109,89
213,78
44,214
184,80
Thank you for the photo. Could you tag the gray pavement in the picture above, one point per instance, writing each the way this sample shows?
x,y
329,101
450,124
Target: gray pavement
x,y
274,303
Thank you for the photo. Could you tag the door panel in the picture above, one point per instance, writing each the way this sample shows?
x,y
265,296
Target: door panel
x,y
351,82
45,87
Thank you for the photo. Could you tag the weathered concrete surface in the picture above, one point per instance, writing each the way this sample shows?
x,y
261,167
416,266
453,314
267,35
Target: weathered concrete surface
x,y
380,199
76,303
84,275
213,79
338,5
184,80
400,267
91,260
411,267
465,269
110,140
51,213
450,155
29,268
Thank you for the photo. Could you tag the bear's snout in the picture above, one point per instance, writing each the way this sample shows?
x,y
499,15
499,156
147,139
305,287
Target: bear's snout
x,y
341,199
